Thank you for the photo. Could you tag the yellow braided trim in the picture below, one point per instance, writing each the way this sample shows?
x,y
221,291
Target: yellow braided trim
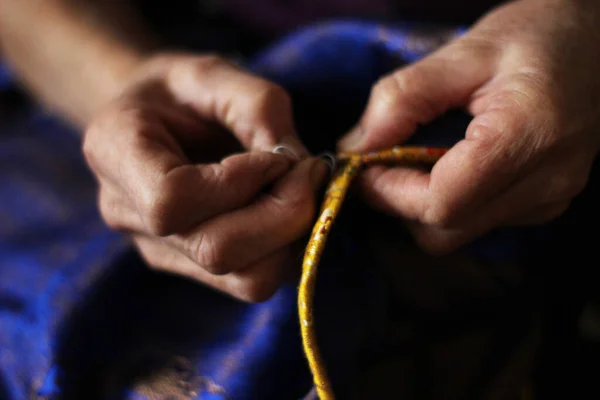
x,y
334,197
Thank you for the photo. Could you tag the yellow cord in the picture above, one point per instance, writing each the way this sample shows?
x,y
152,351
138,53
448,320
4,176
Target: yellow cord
x,y
334,197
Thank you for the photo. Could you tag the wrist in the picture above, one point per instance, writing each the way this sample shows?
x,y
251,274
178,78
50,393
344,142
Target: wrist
x,y
108,70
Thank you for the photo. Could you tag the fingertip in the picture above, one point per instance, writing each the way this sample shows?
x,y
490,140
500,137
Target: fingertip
x,y
352,141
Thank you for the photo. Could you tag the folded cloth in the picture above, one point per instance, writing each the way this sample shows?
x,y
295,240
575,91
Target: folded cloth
x,y
81,317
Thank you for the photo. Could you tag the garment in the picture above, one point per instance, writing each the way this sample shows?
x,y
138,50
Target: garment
x,y
81,317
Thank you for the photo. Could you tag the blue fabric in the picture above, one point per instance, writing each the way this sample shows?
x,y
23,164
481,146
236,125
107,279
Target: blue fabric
x,y
82,317
5,77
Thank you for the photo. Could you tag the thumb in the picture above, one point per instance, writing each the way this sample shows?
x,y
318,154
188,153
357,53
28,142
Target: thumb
x,y
256,111
417,94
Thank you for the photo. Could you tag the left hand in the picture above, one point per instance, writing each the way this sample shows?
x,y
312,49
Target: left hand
x,y
529,73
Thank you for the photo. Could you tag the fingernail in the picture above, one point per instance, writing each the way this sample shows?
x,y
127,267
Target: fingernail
x,y
352,140
329,159
318,172
291,146
286,151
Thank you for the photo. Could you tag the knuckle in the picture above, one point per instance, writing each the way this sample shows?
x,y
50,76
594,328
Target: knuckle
x,y
107,211
89,149
132,121
438,214
389,92
404,82
239,185
150,259
93,144
256,291
494,125
208,63
225,176
210,254
129,128
401,90
89,137
468,47
270,97
158,206
154,218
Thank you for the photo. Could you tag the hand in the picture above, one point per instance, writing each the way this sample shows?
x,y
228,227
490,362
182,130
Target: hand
x,y
528,73
156,152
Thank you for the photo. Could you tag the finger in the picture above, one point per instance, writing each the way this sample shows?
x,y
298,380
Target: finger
x,y
170,194
257,111
254,283
440,241
117,212
198,138
108,141
540,197
230,241
383,188
542,194
174,200
419,93
261,279
502,145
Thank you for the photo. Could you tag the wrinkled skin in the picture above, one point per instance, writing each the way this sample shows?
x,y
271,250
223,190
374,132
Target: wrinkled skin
x,y
528,73
197,200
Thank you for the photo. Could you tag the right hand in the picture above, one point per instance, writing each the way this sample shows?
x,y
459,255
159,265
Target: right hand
x,y
183,159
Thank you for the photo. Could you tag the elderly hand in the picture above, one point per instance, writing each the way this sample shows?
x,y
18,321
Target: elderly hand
x,y
167,158
529,74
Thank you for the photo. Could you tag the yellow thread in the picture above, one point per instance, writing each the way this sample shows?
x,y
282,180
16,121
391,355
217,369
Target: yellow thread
x,y
334,197
331,206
